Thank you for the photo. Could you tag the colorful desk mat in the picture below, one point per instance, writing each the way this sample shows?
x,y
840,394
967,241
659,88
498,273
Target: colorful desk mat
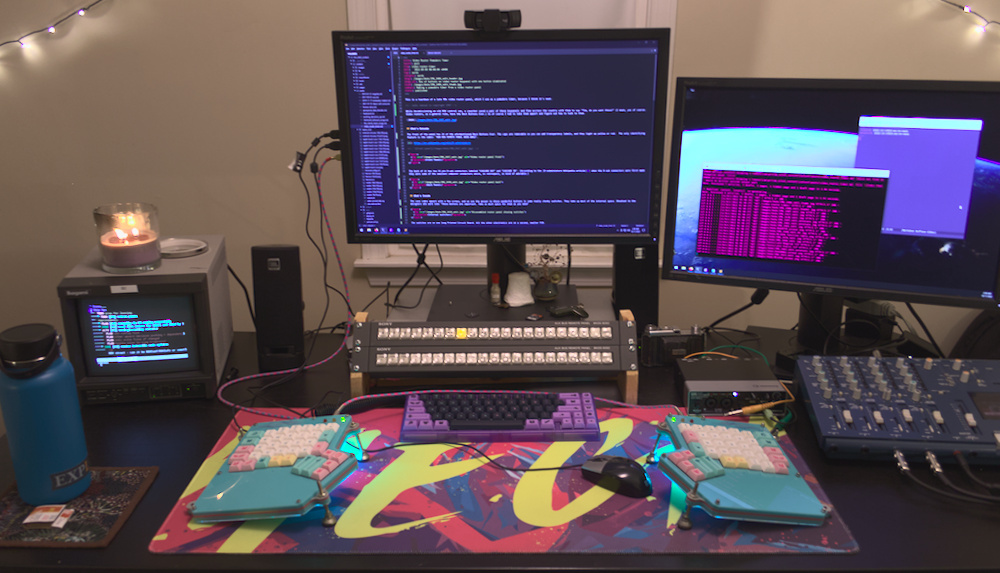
x,y
99,512
435,498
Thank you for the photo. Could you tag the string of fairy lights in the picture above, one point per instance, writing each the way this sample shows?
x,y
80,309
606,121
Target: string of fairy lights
x,y
53,27
982,22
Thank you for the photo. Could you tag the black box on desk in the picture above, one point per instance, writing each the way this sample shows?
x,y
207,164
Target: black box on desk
x,y
715,386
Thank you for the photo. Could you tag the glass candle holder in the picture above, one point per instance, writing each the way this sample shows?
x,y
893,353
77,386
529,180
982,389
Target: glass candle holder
x,y
128,235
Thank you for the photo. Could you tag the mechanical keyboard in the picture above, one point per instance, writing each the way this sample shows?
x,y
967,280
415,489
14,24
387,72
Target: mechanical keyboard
x,y
737,470
488,348
471,416
869,407
276,470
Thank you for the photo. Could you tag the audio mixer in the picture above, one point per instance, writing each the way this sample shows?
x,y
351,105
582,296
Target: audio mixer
x,y
867,407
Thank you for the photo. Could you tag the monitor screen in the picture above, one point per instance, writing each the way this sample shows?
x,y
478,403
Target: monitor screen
x,y
855,188
131,335
529,136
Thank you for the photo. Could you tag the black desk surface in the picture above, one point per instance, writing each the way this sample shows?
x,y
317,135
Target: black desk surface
x,y
897,525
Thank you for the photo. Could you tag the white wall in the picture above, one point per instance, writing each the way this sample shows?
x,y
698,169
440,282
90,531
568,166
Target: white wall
x,y
199,105
195,106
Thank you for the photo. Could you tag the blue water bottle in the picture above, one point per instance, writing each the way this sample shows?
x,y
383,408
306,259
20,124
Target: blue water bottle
x,y
42,413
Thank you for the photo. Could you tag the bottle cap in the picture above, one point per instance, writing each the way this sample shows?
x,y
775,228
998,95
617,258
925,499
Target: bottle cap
x,y
496,278
31,346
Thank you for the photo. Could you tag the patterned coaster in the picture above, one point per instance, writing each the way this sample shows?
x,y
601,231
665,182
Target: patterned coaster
x,y
98,513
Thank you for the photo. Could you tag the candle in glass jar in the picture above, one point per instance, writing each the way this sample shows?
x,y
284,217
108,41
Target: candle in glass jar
x,y
132,248
128,237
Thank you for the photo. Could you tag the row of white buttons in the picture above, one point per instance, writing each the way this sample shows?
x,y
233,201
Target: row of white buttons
x,y
448,358
494,333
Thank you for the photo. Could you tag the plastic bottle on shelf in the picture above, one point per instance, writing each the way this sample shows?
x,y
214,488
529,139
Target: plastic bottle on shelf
x,y
495,290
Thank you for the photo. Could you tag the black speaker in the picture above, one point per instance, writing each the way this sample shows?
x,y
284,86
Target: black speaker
x,y
277,293
635,284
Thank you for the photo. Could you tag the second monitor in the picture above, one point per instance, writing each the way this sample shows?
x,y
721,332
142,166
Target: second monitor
x,y
547,137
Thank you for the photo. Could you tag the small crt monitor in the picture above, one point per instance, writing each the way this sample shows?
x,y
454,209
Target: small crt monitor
x,y
158,335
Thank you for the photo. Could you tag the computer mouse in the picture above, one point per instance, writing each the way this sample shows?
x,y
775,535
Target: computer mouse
x,y
618,474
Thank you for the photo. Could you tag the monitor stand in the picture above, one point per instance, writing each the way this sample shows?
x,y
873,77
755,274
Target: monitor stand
x,y
472,302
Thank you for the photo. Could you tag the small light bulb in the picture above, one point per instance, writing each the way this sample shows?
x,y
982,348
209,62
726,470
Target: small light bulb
x,y
81,11
52,29
967,9
22,42
981,29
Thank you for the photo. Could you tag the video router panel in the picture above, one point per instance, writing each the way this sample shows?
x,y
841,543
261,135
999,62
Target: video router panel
x,y
492,348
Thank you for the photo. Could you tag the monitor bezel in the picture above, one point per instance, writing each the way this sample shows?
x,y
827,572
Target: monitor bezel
x,y
807,288
340,38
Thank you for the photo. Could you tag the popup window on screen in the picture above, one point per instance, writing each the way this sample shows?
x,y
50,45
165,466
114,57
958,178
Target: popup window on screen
x,y
931,163
129,335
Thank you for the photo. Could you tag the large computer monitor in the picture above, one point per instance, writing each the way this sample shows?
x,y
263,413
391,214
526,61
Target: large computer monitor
x,y
837,188
529,136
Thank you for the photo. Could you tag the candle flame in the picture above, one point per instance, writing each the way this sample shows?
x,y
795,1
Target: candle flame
x,y
122,235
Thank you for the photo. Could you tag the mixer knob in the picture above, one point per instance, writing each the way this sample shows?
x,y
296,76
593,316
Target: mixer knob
x,y
928,363
965,376
956,365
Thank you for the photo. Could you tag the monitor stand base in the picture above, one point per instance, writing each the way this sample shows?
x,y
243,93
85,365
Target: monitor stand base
x,y
472,302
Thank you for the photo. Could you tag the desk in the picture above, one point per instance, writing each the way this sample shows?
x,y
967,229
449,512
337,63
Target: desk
x,y
897,525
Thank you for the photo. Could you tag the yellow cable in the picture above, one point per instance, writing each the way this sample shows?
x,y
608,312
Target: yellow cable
x,y
715,353
750,410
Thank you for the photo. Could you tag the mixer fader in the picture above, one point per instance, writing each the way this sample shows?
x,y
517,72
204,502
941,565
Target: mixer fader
x,y
867,407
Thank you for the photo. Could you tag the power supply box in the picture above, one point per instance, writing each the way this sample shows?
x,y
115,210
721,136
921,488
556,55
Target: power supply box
x,y
715,386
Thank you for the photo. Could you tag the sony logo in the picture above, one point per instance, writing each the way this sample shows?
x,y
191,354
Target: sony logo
x,y
501,239
77,292
824,290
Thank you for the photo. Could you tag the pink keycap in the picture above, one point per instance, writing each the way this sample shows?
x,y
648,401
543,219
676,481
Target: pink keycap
x,y
680,456
335,455
695,474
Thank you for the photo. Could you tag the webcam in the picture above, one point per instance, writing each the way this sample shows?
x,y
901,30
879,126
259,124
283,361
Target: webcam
x,y
492,20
